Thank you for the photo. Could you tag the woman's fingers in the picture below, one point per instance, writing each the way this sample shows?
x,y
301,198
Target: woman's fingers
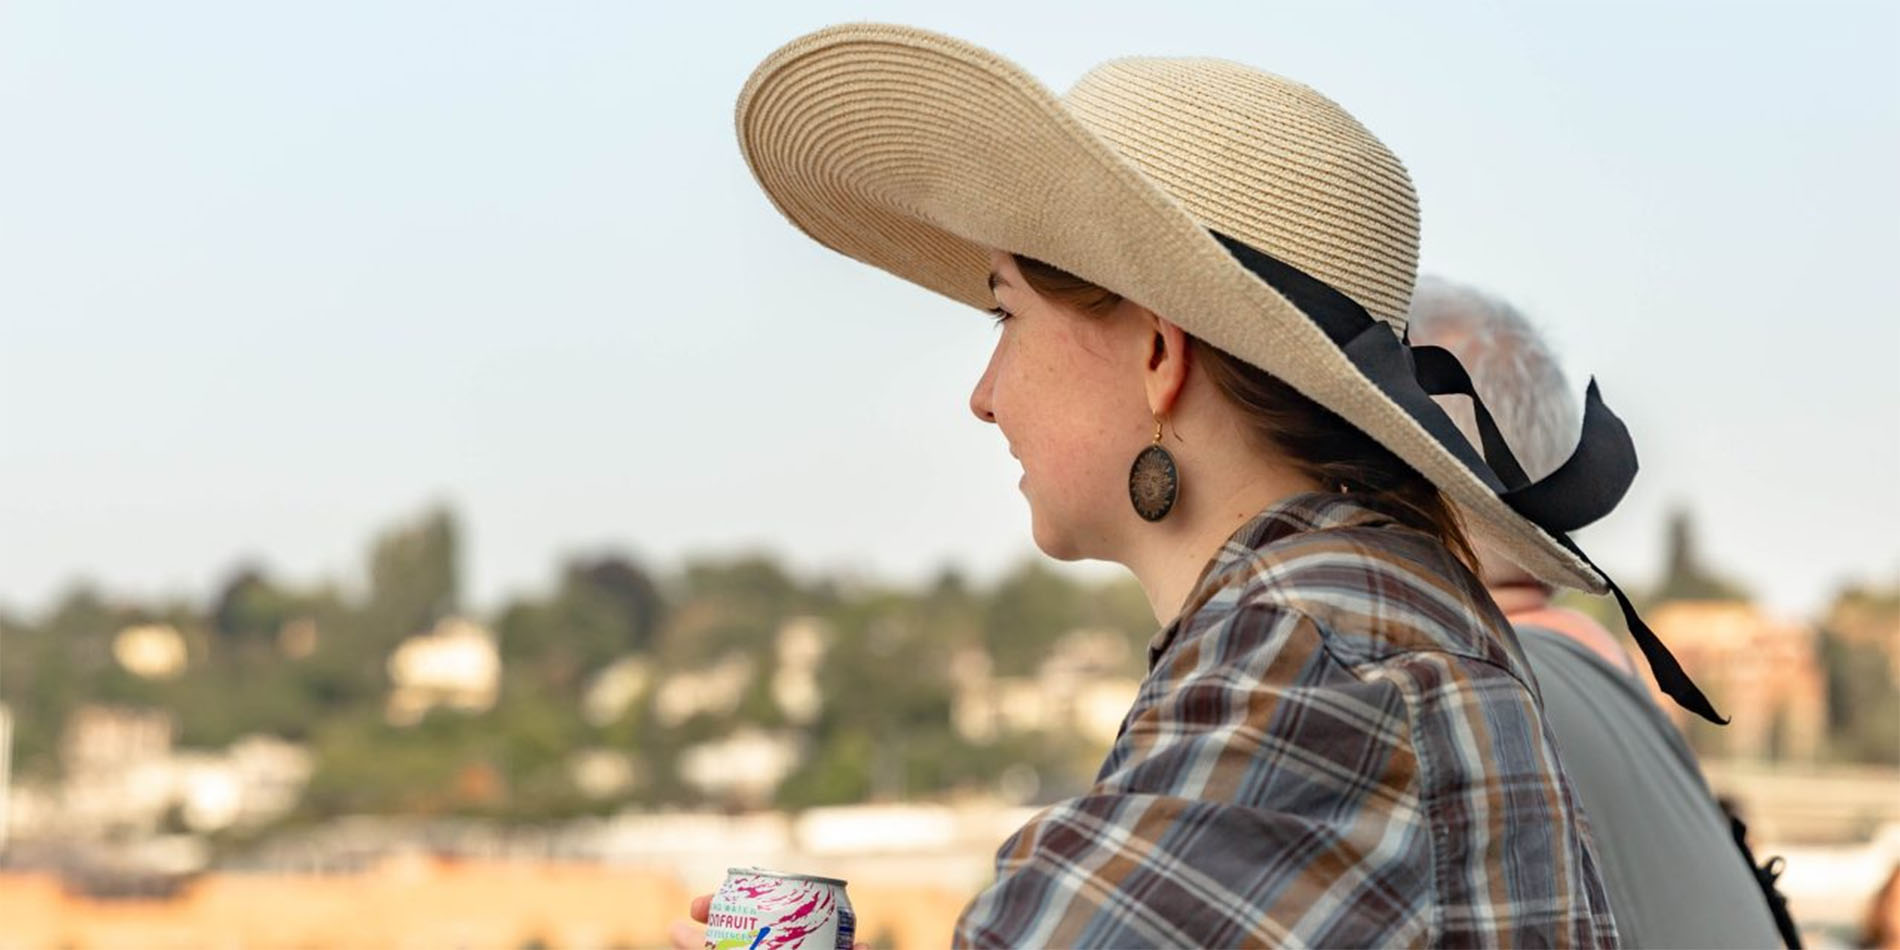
x,y
691,934
686,935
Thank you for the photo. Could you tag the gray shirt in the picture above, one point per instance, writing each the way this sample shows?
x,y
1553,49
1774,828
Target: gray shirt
x,y
1674,875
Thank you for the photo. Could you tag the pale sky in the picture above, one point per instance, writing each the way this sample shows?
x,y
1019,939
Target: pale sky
x,y
274,276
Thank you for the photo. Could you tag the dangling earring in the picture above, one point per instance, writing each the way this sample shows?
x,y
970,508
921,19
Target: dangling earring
x,y
1154,483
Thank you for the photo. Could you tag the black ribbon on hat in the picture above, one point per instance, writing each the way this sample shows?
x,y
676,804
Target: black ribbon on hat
x,y
1584,488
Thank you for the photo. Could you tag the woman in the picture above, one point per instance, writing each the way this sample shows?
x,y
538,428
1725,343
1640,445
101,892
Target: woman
x,y
1199,273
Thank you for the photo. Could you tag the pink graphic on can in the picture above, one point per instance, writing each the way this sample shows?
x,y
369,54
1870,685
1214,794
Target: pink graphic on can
x,y
760,910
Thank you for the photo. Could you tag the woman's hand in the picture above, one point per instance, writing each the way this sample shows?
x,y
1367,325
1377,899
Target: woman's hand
x,y
691,934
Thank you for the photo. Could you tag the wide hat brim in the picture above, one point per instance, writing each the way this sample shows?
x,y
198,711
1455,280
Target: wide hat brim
x,y
916,153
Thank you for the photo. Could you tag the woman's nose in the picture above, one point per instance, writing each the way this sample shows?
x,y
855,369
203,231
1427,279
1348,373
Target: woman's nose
x,y
981,395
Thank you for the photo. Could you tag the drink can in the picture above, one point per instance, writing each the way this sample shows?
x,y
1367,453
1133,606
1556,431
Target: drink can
x,y
756,909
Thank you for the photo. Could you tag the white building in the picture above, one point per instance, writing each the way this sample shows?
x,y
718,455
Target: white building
x,y
716,691
455,665
745,766
152,650
1082,689
802,643
123,777
615,688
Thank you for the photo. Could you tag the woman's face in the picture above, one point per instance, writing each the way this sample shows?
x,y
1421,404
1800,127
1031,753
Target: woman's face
x,y
1066,390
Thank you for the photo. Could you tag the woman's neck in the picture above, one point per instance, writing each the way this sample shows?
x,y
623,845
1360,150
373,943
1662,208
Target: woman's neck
x,y
1168,559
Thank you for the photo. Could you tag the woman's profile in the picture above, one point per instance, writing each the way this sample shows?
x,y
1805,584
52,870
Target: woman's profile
x,y
1200,272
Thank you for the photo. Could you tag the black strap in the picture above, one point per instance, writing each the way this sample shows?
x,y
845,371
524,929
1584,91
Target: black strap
x,y
1768,878
1586,487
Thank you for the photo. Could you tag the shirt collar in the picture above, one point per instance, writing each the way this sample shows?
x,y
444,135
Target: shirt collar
x,y
1294,514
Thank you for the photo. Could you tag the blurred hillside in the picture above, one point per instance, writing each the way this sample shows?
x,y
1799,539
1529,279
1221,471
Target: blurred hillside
x,y
200,729
727,683
305,741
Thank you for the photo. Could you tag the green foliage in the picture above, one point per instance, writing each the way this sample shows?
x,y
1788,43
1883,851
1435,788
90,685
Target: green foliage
x,y
1863,701
1686,577
604,609
752,588
413,580
48,670
1032,608
251,609
838,773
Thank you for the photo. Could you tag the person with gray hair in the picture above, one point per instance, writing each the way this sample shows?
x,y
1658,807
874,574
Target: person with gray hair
x,y
1523,386
1671,862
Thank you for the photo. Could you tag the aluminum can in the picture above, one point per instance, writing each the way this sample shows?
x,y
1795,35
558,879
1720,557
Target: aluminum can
x,y
756,909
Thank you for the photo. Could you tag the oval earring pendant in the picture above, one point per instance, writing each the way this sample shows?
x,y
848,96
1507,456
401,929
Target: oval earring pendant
x,y
1154,483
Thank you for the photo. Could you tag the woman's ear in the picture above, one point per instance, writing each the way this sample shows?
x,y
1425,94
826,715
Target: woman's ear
x,y
1166,369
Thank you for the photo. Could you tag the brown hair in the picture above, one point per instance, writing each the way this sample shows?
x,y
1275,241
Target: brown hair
x,y
1314,439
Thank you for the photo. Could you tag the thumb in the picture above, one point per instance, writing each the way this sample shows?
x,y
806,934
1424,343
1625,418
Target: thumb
x,y
686,935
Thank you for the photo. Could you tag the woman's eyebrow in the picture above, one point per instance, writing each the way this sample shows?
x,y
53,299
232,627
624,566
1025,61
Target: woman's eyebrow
x,y
995,279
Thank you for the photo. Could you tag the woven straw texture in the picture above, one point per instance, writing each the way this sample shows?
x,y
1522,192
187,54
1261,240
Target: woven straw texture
x,y
916,152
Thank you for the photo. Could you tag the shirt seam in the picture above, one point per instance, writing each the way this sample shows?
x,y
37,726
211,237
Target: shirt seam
x,y
1428,801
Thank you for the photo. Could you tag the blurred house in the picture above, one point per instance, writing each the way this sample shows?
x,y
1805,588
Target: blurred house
x,y
1082,688
297,638
1762,671
1868,617
716,691
601,772
799,647
117,767
255,780
744,767
152,651
614,689
123,780
455,665
802,642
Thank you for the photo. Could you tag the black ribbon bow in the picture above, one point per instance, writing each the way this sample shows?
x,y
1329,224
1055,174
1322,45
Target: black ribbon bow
x,y
1584,488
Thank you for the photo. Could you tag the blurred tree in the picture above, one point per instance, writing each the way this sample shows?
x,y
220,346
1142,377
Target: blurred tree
x,y
413,574
1685,576
604,609
249,610
751,586
627,593
52,667
1030,610
735,604
1122,606
1863,696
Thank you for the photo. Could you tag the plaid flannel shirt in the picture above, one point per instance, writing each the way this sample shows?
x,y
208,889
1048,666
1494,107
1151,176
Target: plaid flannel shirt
x,y
1338,744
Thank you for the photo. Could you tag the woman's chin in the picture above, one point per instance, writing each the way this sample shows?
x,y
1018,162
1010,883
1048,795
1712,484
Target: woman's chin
x,y
1056,544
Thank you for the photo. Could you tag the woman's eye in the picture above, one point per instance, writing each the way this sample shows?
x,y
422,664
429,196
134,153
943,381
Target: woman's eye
x,y
999,315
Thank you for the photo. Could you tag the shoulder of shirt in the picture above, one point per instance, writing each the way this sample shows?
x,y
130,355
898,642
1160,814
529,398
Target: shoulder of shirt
x,y
1374,593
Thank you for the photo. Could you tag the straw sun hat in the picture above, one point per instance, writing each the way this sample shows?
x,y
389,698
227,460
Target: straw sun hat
x,y
1248,209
